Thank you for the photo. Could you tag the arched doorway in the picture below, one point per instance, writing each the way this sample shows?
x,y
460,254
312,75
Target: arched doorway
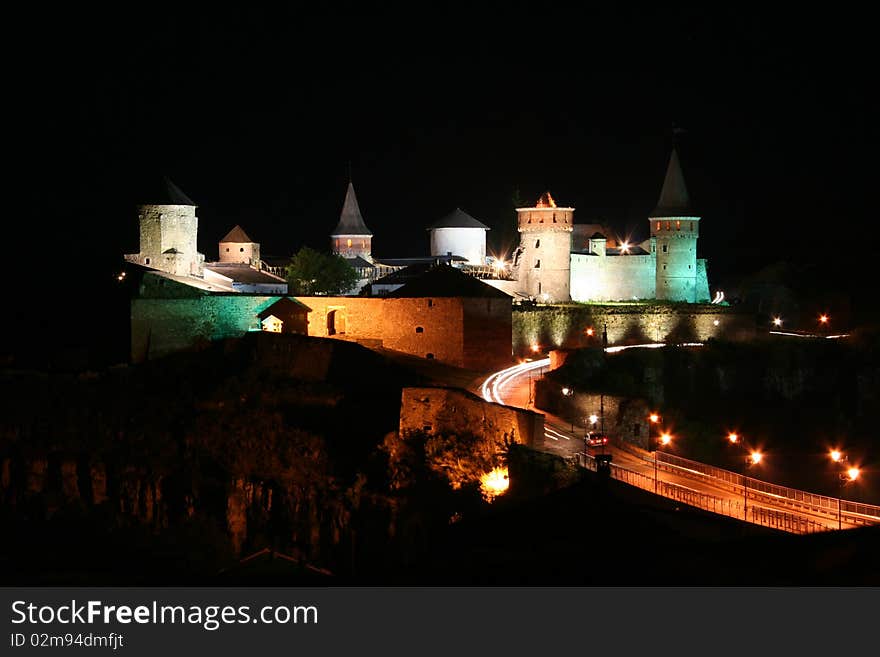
x,y
336,321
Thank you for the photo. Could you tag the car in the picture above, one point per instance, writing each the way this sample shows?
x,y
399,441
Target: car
x,y
595,439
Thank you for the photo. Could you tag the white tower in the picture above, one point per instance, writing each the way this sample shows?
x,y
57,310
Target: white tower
x,y
168,231
676,228
543,260
458,233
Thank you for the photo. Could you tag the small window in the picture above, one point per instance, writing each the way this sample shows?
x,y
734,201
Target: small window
x,y
429,356
241,250
668,225
658,225
665,248
227,249
419,329
146,261
554,217
689,266
691,225
349,243
430,303
427,427
537,264
664,267
537,243
678,224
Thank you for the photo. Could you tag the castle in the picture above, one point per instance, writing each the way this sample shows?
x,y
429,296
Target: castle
x,y
557,260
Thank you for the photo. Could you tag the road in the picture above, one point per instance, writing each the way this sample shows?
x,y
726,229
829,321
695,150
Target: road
x,y
513,386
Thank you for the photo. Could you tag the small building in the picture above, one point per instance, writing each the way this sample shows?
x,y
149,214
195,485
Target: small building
x,y
239,248
240,277
285,316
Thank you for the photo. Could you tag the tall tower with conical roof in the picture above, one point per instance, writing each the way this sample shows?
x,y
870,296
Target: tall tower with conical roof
x,y
351,238
168,232
543,259
675,227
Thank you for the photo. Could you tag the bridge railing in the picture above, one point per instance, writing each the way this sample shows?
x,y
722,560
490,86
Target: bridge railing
x,y
851,512
782,520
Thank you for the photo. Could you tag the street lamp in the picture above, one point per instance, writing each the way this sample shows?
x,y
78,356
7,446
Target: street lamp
x,y
754,458
843,478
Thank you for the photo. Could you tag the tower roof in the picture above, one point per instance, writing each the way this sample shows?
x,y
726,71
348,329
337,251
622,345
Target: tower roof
x,y
674,200
458,218
546,201
165,192
350,220
238,236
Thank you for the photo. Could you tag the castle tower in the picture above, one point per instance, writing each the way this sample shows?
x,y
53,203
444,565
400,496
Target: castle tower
x,y
675,227
238,247
543,262
168,232
458,233
351,238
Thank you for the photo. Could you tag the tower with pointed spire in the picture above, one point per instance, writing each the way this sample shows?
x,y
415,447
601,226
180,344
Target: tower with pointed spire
x,y
543,259
675,228
352,238
168,232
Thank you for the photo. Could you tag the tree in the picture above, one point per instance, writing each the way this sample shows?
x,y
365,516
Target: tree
x,y
311,272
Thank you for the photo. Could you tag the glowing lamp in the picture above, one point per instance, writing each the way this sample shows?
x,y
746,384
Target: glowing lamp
x,y
535,348
733,438
777,321
594,418
823,319
565,391
852,474
654,418
624,247
590,331
836,455
756,457
665,439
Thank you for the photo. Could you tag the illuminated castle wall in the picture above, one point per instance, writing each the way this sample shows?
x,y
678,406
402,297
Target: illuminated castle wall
x,y
552,267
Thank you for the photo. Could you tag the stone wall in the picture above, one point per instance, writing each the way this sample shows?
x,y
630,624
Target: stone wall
x,y
452,410
612,278
470,333
564,326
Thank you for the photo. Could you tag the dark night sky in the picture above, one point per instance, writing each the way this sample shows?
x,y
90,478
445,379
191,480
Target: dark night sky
x,y
257,114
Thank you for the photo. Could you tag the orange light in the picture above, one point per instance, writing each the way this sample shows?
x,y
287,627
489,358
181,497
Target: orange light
x,y
836,455
777,321
494,483
756,457
535,348
665,439
733,438
823,318
654,417
590,331
853,474
546,201
594,418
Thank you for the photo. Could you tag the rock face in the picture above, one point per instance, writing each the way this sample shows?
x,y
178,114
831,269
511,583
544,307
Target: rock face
x,y
224,452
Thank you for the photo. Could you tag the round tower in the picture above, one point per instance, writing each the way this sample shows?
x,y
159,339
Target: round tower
x,y
675,227
459,234
544,255
239,248
351,238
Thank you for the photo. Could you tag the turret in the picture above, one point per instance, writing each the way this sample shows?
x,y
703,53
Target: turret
x,y
675,227
238,247
459,234
544,260
351,238
168,233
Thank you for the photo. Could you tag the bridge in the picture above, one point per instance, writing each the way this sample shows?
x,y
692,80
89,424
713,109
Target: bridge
x,y
697,484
